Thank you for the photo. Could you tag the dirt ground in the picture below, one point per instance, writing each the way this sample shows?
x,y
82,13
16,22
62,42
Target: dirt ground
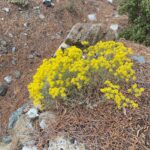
x,y
39,30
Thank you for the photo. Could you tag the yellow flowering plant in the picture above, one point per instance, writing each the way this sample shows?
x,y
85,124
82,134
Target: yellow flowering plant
x,y
105,69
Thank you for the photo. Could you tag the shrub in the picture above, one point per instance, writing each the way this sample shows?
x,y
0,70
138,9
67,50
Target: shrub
x,y
139,20
75,74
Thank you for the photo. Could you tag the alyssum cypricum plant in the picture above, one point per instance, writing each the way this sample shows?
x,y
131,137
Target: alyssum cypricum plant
x,y
83,74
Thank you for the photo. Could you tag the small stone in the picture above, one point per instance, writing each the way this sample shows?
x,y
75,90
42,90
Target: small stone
x,y
43,125
33,113
31,56
110,1
92,17
29,148
14,49
3,43
7,139
3,90
10,35
26,25
48,3
8,79
139,59
14,61
41,16
17,74
114,27
6,9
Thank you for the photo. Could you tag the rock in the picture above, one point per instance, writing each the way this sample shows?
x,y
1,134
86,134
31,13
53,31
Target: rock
x,y
63,46
8,79
32,113
31,56
5,146
29,148
23,130
46,119
41,16
61,143
17,74
110,1
15,116
48,3
114,27
22,3
3,89
139,59
3,46
14,49
7,139
6,9
85,32
92,17
14,61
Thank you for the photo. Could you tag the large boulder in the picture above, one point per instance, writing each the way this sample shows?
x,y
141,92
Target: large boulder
x,y
84,32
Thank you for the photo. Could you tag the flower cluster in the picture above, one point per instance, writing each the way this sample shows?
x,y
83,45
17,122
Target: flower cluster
x,y
71,70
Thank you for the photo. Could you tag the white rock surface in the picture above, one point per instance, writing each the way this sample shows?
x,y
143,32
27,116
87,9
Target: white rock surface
x,y
60,143
92,17
8,79
114,27
29,148
110,1
32,113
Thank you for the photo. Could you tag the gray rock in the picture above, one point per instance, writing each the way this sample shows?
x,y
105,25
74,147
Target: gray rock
x,y
29,148
92,17
17,74
110,1
23,3
46,119
14,61
139,59
23,130
8,79
61,143
7,139
41,16
14,49
114,27
15,116
6,9
85,32
32,113
3,89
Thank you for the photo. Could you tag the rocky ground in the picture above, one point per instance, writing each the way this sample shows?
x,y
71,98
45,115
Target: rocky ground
x,y
27,35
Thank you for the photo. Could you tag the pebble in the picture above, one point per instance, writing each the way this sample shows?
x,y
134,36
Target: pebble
x,y
7,10
139,59
14,61
7,139
110,1
14,49
3,89
17,74
92,17
48,3
41,16
33,113
8,79
114,27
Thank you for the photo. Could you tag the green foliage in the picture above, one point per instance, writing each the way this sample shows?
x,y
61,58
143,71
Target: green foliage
x,y
139,20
